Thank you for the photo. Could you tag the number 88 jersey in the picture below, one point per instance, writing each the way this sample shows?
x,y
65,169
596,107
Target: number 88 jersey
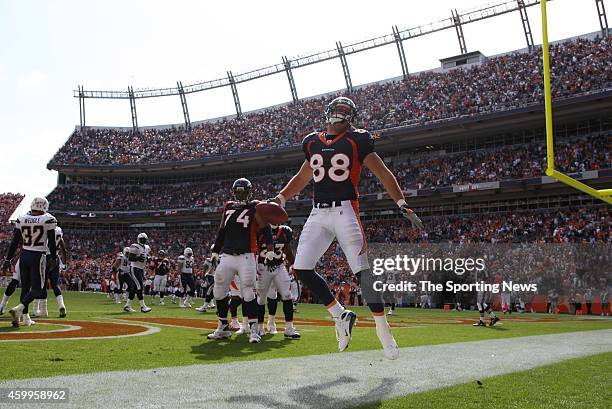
x,y
336,163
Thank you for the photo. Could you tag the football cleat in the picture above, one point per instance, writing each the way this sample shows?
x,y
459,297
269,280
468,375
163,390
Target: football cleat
x,y
222,332
254,338
62,312
162,302
127,308
16,314
202,308
244,329
145,309
494,321
234,325
292,333
390,312
27,321
272,328
344,329
2,310
480,323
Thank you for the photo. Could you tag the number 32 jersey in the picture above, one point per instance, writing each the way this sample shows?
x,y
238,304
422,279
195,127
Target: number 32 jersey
x,y
336,163
34,230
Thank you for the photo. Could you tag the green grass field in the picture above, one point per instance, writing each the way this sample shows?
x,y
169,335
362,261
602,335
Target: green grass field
x,y
179,346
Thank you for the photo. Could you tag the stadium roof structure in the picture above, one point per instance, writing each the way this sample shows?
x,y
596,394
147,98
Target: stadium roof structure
x,y
397,37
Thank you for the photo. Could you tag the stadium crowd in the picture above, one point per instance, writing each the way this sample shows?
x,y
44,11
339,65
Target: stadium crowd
x,y
8,204
510,162
501,83
93,251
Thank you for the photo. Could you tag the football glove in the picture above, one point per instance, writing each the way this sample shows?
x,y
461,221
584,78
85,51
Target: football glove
x,y
409,214
214,259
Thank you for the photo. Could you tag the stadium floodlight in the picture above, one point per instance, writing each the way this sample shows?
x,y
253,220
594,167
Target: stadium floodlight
x,y
603,194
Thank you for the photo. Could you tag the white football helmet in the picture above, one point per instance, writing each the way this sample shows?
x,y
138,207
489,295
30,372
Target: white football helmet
x,y
40,204
126,250
188,252
143,238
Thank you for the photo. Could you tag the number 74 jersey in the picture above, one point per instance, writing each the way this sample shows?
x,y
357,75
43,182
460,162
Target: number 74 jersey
x,y
34,231
336,163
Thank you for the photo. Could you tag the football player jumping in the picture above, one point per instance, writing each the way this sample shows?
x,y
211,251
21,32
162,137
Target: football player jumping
x,y
235,248
333,161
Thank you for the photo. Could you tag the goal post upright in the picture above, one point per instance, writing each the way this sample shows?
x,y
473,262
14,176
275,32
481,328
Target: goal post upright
x,y
603,194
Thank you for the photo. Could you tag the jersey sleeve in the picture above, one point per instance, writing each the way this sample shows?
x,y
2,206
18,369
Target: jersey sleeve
x,y
365,143
288,233
306,145
50,224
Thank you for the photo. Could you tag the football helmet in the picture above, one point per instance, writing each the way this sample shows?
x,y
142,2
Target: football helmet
x,y
126,251
188,252
161,253
241,189
40,204
143,238
341,109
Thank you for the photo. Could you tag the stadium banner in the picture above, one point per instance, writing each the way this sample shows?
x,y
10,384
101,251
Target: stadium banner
x,y
475,186
538,276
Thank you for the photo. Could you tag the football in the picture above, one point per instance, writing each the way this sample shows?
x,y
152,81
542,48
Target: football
x,y
272,212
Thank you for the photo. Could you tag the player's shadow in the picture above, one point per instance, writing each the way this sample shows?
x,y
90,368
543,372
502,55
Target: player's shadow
x,y
314,396
236,346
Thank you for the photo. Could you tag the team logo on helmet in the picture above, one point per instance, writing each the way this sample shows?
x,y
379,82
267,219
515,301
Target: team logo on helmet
x,y
40,204
341,109
241,190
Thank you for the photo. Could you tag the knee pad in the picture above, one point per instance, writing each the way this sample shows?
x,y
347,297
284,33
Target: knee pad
x,y
248,294
219,292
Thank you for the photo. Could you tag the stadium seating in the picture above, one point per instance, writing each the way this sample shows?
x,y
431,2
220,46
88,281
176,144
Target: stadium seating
x,y
503,163
502,83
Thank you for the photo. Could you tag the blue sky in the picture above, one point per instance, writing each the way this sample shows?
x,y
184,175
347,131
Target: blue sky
x,y
48,48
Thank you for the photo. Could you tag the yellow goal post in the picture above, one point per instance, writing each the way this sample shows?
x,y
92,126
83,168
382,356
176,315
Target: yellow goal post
x,y
603,194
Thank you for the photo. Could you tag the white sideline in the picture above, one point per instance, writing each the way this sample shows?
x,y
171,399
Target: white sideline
x,y
322,381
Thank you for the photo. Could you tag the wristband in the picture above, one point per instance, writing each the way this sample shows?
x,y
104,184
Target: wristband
x,y
401,203
282,199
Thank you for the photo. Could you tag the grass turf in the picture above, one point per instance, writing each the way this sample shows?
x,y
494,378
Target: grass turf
x,y
174,346
572,384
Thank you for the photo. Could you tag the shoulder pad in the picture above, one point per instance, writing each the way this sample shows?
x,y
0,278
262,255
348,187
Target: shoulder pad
x,y
311,135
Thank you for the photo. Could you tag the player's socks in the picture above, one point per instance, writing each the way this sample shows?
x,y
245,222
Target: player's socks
x,y
35,307
272,305
288,310
271,320
43,307
335,309
5,300
261,312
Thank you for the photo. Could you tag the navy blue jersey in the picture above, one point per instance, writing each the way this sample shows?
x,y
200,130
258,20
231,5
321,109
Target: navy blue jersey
x,y
240,228
336,163
282,236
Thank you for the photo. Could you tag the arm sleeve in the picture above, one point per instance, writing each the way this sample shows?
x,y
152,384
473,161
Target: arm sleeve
x,y
15,242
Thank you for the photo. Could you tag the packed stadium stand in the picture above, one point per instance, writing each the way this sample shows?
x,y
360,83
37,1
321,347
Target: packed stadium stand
x,y
466,144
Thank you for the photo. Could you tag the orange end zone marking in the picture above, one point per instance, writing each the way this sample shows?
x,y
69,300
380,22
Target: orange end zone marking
x,y
88,329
